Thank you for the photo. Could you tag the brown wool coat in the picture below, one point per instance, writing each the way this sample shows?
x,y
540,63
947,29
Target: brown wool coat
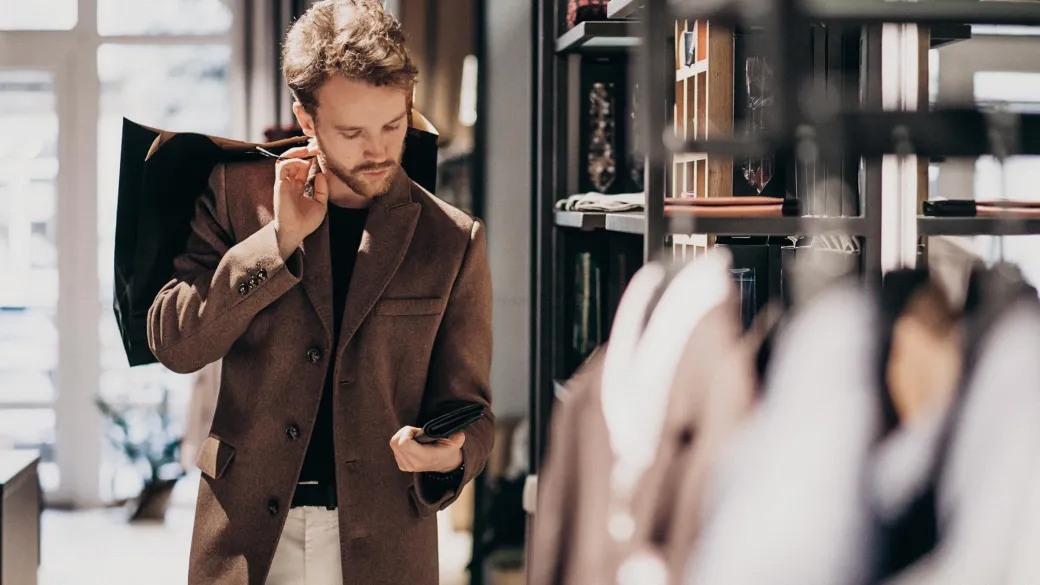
x,y
416,336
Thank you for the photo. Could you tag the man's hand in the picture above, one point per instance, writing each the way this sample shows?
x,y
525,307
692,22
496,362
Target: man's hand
x,y
444,456
295,214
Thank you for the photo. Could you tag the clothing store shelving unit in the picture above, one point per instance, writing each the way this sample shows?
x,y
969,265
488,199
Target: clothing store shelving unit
x,y
558,62
861,130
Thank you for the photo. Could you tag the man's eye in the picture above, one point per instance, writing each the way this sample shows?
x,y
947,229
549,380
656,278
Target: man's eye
x,y
392,127
351,135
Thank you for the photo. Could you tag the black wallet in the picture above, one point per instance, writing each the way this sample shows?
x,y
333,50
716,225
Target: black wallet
x,y
450,423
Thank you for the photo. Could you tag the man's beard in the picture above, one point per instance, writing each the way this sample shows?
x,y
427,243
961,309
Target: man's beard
x,y
355,180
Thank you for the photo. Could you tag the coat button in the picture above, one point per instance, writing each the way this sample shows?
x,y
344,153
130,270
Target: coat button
x,y
253,281
243,289
261,275
314,355
272,507
293,432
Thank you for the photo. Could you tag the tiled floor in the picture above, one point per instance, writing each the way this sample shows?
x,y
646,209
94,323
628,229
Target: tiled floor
x,y
98,547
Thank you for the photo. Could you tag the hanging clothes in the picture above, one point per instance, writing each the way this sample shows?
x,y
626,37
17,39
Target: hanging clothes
x,y
786,505
992,453
653,400
714,389
570,544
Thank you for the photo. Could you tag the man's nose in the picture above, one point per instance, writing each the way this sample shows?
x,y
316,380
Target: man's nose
x,y
375,150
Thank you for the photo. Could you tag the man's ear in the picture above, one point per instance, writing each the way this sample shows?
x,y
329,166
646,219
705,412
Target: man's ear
x,y
305,120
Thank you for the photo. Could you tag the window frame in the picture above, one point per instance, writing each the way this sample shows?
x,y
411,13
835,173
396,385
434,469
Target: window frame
x,y
71,56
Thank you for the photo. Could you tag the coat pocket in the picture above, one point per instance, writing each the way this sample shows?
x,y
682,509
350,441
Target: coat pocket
x,y
406,307
214,457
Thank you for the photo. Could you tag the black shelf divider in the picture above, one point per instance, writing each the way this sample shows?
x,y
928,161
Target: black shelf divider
x,y
947,34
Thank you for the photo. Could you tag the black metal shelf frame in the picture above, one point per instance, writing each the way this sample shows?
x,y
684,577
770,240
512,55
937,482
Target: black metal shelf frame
x,y
867,132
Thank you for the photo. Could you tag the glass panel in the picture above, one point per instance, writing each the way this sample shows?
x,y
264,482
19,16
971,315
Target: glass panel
x,y
163,17
38,15
28,257
1018,92
179,88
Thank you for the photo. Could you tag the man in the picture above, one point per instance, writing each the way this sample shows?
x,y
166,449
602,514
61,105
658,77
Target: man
x,y
343,318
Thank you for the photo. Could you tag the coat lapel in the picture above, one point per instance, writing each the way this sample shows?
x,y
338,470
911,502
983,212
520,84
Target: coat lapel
x,y
317,274
388,233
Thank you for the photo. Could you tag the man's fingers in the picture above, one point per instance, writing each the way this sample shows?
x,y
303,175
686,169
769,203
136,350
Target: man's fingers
x,y
301,151
295,169
321,188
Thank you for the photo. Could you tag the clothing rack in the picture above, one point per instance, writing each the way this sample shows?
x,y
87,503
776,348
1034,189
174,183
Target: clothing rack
x,y
642,30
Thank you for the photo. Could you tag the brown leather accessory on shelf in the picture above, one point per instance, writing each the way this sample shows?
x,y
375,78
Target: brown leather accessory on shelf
x,y
751,206
724,210
998,211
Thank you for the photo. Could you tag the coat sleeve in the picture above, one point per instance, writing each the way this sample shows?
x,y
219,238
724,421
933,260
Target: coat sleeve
x,y
460,368
218,285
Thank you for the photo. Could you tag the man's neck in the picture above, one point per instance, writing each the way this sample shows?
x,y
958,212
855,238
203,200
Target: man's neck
x,y
341,195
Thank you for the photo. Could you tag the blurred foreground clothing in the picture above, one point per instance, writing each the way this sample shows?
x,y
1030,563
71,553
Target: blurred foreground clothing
x,y
894,440
621,498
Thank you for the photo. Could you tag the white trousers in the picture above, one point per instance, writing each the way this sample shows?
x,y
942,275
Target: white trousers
x,y
308,551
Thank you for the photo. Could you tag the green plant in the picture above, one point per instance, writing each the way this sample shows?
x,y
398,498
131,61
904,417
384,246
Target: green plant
x,y
147,438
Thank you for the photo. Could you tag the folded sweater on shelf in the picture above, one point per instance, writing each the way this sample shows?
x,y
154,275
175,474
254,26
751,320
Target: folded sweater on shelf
x,y
599,202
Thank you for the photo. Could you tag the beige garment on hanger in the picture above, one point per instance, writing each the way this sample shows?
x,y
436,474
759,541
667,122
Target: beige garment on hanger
x,y
569,545
201,405
579,516
713,391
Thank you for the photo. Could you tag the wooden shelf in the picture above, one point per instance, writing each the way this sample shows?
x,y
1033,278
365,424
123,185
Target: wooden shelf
x,y
623,8
688,72
977,226
766,226
580,220
598,35
635,223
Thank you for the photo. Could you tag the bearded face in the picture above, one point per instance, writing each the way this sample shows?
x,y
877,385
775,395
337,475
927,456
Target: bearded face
x,y
360,130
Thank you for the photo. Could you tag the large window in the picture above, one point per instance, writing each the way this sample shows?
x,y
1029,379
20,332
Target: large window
x,y
28,261
1016,91
70,71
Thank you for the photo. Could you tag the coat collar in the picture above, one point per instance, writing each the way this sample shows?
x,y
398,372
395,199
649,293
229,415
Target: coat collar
x,y
388,233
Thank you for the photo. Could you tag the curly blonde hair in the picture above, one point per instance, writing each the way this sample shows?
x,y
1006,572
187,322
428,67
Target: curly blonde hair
x,y
354,38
